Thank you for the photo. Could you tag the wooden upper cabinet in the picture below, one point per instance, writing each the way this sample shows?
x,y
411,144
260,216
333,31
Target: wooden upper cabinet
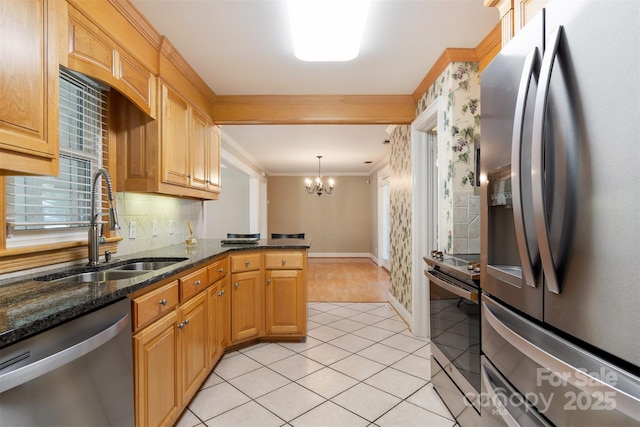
x,y
190,146
213,157
94,53
174,138
514,14
28,88
170,155
199,176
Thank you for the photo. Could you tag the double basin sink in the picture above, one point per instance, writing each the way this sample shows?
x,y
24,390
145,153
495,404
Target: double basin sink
x,y
119,272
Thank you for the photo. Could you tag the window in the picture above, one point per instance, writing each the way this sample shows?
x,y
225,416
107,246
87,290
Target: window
x,y
41,208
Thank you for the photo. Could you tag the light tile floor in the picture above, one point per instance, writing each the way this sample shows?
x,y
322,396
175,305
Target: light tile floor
x,y
359,366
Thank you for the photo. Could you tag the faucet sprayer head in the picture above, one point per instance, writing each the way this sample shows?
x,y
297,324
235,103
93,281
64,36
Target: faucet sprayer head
x,y
113,218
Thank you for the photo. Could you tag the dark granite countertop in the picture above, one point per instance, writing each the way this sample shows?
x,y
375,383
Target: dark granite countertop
x,y
29,306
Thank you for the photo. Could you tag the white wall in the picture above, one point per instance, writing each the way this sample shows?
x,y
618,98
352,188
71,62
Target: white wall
x,y
230,213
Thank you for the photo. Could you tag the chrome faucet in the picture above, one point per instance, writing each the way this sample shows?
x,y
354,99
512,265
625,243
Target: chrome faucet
x,y
95,237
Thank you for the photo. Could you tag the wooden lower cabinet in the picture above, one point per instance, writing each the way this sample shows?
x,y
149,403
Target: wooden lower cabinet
x,y
219,300
192,333
247,305
177,343
155,354
285,303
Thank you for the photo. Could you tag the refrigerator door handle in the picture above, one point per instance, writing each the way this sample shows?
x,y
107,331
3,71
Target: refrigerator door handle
x,y
585,377
528,72
537,163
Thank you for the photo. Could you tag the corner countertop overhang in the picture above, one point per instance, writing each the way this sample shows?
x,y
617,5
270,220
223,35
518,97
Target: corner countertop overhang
x,y
29,306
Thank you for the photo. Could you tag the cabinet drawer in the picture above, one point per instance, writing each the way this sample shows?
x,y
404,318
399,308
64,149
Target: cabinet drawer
x,y
154,304
218,270
193,283
246,262
283,260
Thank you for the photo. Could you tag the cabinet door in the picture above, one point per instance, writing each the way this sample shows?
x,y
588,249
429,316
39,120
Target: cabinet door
x,y
285,302
198,151
213,157
247,314
28,88
156,378
175,138
223,314
193,339
218,316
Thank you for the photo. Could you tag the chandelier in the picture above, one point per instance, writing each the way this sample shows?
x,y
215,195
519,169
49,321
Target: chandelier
x,y
318,187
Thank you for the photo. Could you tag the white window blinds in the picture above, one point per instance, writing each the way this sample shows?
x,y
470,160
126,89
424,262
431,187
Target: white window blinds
x,y
64,201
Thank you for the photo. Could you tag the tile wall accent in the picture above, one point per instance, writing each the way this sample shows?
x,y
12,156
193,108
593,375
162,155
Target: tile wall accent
x,y
143,209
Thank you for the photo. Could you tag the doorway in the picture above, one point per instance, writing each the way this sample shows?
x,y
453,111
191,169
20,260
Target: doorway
x,y
384,227
424,164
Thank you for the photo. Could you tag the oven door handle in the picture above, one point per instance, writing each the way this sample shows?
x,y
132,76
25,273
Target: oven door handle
x,y
457,290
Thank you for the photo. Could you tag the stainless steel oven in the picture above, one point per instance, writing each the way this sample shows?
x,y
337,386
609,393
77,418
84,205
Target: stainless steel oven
x,y
454,294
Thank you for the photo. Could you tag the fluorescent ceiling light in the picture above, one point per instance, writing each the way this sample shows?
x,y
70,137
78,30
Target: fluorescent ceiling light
x,y
327,30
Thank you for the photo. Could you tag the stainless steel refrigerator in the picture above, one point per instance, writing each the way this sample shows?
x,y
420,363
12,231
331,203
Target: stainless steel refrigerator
x,y
560,189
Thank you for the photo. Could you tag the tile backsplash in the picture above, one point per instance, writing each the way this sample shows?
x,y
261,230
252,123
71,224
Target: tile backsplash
x,y
170,213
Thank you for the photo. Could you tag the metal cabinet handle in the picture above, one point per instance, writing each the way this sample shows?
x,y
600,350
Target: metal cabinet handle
x,y
284,261
246,264
237,285
197,283
222,292
186,321
163,302
181,325
269,281
220,270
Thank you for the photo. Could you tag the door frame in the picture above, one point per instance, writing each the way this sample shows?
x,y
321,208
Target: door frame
x,y
424,214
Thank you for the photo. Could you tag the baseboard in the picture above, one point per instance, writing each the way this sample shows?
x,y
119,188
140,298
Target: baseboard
x,y
339,255
406,316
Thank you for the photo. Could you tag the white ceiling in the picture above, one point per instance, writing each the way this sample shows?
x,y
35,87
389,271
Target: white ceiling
x,y
242,47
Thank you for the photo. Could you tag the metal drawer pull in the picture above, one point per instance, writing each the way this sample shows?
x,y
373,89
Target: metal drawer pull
x,y
220,270
246,264
181,325
197,283
237,285
284,261
268,281
163,302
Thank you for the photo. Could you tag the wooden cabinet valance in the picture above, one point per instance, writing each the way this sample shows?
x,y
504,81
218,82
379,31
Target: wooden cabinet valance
x,y
94,53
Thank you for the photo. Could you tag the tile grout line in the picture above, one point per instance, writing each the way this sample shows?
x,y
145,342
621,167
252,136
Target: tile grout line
x,y
298,352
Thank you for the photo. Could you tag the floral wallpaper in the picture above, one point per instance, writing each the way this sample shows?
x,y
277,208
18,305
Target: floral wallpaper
x,y
400,215
459,210
459,207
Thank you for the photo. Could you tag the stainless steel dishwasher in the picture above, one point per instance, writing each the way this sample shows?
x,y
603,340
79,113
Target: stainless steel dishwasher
x,y
77,374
